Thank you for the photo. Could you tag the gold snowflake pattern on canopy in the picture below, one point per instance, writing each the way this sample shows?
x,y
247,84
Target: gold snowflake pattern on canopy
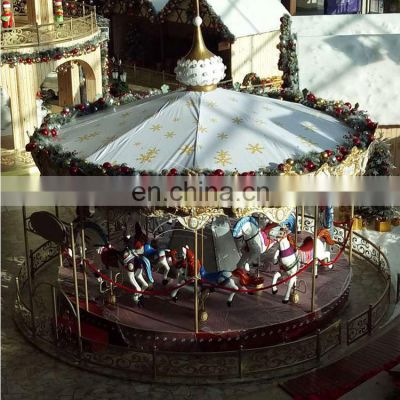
x,y
223,158
223,136
255,148
88,137
156,128
188,150
170,135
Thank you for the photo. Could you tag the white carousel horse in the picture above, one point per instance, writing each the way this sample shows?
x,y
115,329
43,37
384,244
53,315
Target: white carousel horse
x,y
135,275
186,269
306,250
257,241
289,259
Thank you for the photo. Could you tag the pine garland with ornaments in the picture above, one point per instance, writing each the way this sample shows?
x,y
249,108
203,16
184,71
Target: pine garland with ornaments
x,y
44,144
46,56
288,62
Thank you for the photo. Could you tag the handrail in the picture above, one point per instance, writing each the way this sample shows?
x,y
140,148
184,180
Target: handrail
x,y
38,35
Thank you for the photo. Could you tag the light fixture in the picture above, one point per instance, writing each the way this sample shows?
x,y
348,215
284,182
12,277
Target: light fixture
x,y
115,74
123,77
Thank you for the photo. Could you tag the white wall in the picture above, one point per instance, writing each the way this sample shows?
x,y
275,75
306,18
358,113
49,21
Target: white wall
x,y
352,57
257,53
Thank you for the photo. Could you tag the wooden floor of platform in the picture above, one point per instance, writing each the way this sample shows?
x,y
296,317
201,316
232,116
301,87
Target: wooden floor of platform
x,y
261,312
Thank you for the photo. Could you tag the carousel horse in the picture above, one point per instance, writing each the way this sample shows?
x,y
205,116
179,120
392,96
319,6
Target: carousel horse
x,y
256,242
135,268
306,250
186,269
291,259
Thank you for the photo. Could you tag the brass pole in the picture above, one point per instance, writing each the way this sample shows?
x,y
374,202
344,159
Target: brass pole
x,y
351,236
202,245
315,261
302,218
296,226
28,270
57,212
55,313
196,288
83,260
78,315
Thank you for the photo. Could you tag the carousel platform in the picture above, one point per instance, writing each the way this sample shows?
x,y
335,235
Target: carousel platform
x,y
254,320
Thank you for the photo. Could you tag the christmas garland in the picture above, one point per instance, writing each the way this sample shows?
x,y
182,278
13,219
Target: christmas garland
x,y
46,56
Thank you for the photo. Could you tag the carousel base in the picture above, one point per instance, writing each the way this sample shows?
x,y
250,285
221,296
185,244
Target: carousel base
x,y
253,321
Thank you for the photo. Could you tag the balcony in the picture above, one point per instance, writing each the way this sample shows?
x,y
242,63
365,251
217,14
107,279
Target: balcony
x,y
79,22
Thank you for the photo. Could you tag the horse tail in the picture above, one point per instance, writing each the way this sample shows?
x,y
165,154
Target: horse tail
x,y
325,234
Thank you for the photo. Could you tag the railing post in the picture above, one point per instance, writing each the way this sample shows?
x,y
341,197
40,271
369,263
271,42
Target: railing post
x,y
38,33
28,269
55,314
240,366
71,27
318,349
369,322
83,9
398,288
154,362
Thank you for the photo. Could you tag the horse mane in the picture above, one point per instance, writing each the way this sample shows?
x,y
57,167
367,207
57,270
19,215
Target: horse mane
x,y
291,241
325,234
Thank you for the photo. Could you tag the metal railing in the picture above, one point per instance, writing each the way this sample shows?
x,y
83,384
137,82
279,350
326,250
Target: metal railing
x,y
78,22
364,323
47,325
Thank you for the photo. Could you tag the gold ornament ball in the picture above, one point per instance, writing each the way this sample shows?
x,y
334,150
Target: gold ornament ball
x,y
324,155
289,161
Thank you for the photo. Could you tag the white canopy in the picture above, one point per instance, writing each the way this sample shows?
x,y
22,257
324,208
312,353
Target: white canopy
x,y
219,129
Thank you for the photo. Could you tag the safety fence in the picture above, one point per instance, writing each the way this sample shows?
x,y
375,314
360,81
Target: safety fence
x,y
363,323
46,315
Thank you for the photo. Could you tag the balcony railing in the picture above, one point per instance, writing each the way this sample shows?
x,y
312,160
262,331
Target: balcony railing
x,y
79,21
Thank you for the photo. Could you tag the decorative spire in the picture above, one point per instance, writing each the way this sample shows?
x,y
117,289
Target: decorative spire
x,y
200,69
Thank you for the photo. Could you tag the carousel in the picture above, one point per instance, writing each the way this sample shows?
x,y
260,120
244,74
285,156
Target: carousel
x,y
203,285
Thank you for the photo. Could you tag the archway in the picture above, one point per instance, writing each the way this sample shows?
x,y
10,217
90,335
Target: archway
x,y
76,83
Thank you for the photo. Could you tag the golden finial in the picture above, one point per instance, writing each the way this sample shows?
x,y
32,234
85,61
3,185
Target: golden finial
x,y
200,69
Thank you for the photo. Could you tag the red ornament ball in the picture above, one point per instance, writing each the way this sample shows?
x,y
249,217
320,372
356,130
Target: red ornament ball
x,y
44,132
371,137
30,146
74,171
125,169
329,152
356,141
339,111
219,172
244,174
29,60
81,107
339,158
107,165
311,98
343,150
281,167
252,173
348,105
54,132
309,165
173,172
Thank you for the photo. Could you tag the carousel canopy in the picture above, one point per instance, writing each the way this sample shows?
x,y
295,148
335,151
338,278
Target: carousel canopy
x,y
202,130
